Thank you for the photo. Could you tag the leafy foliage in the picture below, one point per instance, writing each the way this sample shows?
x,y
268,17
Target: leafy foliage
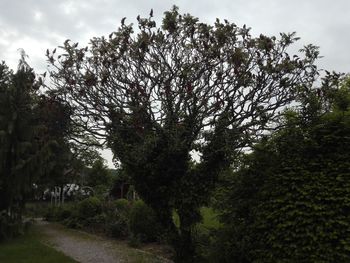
x,y
119,224
90,207
54,118
22,152
143,222
99,177
157,95
290,200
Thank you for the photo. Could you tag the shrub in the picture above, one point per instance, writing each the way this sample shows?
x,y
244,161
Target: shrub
x,y
89,207
142,222
122,206
118,228
36,209
290,202
9,228
51,214
64,213
97,223
119,211
4,222
59,213
227,245
73,222
134,241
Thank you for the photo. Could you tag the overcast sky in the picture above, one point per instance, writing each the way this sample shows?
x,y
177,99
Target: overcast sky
x,y
36,25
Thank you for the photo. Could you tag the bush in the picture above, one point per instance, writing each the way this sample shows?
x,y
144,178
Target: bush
x,y
111,218
118,222
89,207
122,206
97,223
8,227
4,222
73,222
227,245
134,241
118,219
36,209
290,200
59,213
202,237
142,222
64,213
51,214
118,228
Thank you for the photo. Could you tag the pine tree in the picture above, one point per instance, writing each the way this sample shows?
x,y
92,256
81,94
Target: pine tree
x,y
21,147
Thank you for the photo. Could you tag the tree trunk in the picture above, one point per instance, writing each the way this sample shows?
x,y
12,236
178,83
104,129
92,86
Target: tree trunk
x,y
185,247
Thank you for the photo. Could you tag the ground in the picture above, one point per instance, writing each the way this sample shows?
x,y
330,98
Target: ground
x,y
30,249
51,243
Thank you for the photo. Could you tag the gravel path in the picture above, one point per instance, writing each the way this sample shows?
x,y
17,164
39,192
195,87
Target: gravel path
x,y
87,248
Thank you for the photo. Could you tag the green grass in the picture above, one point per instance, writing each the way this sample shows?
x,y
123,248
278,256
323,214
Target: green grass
x,y
210,219
135,256
29,249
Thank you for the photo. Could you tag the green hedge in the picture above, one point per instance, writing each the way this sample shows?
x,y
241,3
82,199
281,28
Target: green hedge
x,y
89,207
143,223
119,219
290,201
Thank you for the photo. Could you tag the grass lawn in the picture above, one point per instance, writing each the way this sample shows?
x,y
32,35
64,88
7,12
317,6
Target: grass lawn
x,y
210,219
29,249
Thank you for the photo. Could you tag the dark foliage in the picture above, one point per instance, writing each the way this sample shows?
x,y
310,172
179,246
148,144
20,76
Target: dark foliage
x,y
143,222
158,95
290,201
22,151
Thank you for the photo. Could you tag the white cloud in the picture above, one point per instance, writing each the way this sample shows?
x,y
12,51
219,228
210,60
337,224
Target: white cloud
x,y
38,16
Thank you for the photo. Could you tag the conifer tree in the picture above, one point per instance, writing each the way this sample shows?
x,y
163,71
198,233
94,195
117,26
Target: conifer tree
x,y
19,144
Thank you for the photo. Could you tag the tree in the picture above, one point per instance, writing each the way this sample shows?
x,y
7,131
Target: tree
x,y
99,177
33,135
54,117
69,156
160,94
290,200
22,152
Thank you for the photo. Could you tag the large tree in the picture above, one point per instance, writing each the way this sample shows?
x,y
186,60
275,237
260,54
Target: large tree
x,y
162,95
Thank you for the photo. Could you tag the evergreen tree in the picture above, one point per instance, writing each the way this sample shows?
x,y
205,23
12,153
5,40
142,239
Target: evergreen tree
x,y
21,147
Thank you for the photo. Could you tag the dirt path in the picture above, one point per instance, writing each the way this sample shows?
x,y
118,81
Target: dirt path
x,y
87,248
